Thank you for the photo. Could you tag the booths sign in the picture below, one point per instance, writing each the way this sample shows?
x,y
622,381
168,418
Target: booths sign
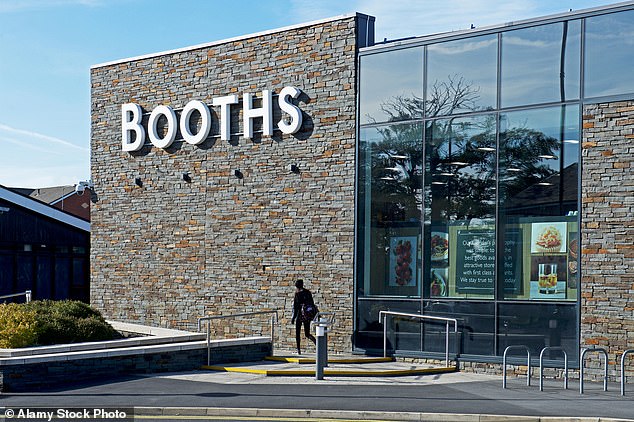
x,y
132,115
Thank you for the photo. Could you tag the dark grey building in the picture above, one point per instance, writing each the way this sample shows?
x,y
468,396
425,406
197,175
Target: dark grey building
x,y
42,249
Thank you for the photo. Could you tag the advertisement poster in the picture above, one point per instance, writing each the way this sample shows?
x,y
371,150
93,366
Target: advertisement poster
x,y
475,261
548,237
403,251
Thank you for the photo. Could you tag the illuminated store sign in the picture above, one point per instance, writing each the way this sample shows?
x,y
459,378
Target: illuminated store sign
x,y
132,115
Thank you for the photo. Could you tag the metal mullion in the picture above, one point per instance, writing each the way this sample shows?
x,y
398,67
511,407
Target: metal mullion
x,y
582,65
496,279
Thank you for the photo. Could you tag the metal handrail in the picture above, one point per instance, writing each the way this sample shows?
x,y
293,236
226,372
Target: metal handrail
x,y
605,367
541,366
330,315
625,353
26,294
528,362
274,320
385,314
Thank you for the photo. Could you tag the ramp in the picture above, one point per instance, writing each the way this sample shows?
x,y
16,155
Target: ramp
x,y
338,366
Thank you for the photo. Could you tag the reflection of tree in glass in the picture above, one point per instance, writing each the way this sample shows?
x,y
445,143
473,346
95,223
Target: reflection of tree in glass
x,y
444,98
397,170
460,167
454,94
461,163
397,160
521,159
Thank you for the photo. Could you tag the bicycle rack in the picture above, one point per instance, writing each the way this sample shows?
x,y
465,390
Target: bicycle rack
x,y
605,366
528,361
541,366
625,353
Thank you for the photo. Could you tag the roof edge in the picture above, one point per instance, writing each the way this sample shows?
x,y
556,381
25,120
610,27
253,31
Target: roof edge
x,y
228,40
43,209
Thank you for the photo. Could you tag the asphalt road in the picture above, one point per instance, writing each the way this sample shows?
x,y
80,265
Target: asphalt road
x,y
437,394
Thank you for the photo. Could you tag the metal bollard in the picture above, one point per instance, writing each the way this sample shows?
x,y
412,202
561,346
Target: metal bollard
x,y
321,360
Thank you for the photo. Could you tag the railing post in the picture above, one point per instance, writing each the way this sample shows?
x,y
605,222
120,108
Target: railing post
x,y
605,364
28,296
272,333
208,342
541,366
528,358
447,344
384,335
625,353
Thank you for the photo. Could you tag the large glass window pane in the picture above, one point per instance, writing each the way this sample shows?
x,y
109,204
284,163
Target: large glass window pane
x,y
389,210
462,76
539,326
539,175
609,58
391,86
476,326
460,200
541,64
403,334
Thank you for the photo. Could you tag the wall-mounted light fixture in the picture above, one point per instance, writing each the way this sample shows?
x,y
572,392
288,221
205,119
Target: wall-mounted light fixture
x,y
138,182
294,168
238,174
187,177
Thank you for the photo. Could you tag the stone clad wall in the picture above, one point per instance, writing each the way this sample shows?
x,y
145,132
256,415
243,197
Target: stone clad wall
x,y
607,298
171,251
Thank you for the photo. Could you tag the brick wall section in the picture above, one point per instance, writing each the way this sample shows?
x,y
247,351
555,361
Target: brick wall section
x,y
607,298
171,251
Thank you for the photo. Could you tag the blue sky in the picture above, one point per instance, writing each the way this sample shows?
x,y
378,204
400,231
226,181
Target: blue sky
x,y
48,46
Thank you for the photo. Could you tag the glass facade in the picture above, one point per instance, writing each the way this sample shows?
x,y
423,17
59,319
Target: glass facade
x,y
468,183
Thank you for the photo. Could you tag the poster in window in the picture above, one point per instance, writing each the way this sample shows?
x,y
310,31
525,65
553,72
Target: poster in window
x,y
548,237
403,251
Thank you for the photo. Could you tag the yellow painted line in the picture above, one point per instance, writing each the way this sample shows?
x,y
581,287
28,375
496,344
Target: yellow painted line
x,y
333,372
235,369
252,418
333,360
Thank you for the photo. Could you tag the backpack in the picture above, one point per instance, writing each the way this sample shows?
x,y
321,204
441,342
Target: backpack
x,y
308,312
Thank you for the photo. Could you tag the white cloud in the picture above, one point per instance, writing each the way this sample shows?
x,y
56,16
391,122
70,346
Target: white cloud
x,y
29,136
26,145
32,159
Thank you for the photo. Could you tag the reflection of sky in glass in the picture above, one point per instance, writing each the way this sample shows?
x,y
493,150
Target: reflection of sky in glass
x,y
609,60
548,121
474,60
386,76
531,64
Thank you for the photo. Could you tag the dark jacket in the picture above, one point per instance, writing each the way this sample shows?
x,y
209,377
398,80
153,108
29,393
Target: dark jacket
x,y
303,297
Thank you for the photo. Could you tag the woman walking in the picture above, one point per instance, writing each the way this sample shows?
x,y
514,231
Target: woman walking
x,y
304,310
